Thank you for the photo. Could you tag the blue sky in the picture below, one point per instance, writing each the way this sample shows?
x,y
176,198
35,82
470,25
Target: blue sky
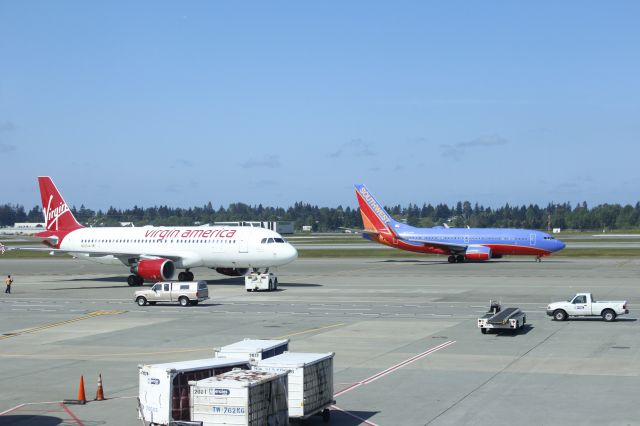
x,y
182,103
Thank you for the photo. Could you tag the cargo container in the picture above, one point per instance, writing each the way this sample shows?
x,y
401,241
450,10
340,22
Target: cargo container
x,y
253,349
164,388
310,381
241,397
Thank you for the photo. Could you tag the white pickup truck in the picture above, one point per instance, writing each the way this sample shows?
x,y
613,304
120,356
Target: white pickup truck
x,y
183,292
583,305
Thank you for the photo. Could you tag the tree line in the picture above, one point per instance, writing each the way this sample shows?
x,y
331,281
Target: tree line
x,y
322,219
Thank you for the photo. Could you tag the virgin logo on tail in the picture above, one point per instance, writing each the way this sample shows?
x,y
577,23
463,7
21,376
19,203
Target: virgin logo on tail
x,y
52,216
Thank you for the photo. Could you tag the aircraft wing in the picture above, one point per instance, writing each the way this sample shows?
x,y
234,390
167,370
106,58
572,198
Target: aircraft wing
x,y
123,256
452,247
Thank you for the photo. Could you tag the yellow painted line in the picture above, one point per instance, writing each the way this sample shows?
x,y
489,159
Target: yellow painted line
x,y
115,355
173,351
310,330
58,324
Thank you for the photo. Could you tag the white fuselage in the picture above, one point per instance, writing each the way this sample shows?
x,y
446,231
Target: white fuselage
x,y
188,247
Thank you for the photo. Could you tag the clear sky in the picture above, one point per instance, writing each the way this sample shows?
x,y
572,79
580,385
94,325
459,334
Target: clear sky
x,y
181,103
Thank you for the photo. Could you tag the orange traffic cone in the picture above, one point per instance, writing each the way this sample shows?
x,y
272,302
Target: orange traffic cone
x,y
82,399
99,392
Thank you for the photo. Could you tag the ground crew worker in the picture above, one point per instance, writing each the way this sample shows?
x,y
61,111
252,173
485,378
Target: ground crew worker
x,y
8,281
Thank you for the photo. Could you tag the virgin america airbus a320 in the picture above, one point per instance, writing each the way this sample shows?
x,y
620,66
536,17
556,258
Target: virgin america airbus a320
x,y
154,253
459,244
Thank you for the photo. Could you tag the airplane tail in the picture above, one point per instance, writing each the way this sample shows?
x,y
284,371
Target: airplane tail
x,y
374,216
57,215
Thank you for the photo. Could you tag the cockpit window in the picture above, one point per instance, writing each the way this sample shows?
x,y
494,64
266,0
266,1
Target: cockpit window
x,y
279,240
549,237
264,240
270,241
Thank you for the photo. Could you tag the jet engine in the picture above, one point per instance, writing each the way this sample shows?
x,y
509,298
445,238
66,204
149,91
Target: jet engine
x,y
478,253
233,272
154,269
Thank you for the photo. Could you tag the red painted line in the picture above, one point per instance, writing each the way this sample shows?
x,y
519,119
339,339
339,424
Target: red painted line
x,y
395,367
73,416
367,422
12,409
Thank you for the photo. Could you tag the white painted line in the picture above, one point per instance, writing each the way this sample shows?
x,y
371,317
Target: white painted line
x,y
366,422
12,409
29,403
342,309
396,367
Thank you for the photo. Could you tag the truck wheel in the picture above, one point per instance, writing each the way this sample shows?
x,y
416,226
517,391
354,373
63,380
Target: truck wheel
x,y
275,283
559,315
608,315
483,330
326,415
141,301
184,301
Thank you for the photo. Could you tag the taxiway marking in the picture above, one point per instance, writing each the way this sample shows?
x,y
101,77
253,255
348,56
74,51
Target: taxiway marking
x,y
366,422
395,367
58,324
309,330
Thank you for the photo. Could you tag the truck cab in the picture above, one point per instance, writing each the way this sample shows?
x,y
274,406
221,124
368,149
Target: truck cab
x,y
183,292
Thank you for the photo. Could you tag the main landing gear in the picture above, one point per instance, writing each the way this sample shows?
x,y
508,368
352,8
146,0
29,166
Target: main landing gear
x,y
185,276
134,280
456,259
538,258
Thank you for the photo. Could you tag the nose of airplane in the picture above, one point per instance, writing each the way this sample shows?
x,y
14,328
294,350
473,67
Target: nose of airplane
x,y
290,253
560,245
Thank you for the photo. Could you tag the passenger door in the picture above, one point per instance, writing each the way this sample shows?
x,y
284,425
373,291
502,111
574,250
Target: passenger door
x,y
156,293
532,240
579,306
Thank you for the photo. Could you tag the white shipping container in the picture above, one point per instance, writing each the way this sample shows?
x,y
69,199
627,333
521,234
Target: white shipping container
x,y
241,397
164,388
253,350
310,380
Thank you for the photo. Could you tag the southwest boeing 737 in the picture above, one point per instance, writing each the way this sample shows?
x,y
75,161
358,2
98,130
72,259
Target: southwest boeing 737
x,y
459,244
154,253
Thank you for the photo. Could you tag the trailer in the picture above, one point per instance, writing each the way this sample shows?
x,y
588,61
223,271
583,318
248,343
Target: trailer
x,y
164,388
501,319
241,397
310,382
252,350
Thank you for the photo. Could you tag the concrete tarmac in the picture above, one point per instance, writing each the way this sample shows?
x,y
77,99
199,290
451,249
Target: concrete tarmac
x,y
408,351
